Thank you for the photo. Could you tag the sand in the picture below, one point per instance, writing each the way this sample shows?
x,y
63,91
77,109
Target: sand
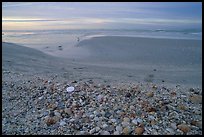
x,y
115,59
170,68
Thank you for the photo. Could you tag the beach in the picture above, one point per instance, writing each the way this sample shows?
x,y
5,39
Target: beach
x,y
122,85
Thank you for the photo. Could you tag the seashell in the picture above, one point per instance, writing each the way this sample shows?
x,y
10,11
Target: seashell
x,y
50,121
62,123
139,130
173,93
132,107
193,122
197,123
132,115
116,133
126,131
150,94
70,89
153,122
154,87
151,109
105,133
173,125
100,98
196,99
68,111
126,119
184,128
182,107
51,106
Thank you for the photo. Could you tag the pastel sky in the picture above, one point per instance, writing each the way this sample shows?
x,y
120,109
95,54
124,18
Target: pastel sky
x,y
101,15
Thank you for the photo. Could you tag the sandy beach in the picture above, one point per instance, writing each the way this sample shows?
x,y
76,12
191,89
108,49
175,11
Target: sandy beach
x,y
131,72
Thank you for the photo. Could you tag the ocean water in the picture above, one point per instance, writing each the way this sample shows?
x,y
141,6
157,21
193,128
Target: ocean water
x,y
50,41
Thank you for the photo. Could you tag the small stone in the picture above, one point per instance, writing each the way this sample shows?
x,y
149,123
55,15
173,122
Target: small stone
x,y
52,106
100,98
70,89
197,123
102,113
191,90
62,123
184,128
50,121
154,132
128,95
105,133
173,125
46,113
40,98
68,111
196,99
134,121
91,109
139,130
104,125
96,112
57,114
182,107
107,114
74,104
198,112
150,94
97,129
92,131
183,96
132,107
151,117
96,119
126,119
116,133
154,87
72,120
173,93
170,130
52,114
113,120
153,122
126,130
91,116
124,124
81,133
139,120
151,109
119,129
155,126
74,81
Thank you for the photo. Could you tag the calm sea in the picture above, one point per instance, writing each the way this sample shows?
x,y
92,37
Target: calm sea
x,y
42,39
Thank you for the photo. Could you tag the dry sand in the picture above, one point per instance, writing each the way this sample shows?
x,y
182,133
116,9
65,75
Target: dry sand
x,y
115,59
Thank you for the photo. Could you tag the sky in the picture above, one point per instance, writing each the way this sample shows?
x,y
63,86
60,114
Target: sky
x,y
101,15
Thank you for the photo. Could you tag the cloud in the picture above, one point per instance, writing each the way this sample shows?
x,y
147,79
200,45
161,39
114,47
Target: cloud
x,y
78,14
17,4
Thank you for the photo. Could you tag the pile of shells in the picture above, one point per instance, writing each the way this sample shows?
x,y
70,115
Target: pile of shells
x,y
43,106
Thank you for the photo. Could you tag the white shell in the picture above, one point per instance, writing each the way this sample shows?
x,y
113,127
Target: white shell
x,y
70,89
99,97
